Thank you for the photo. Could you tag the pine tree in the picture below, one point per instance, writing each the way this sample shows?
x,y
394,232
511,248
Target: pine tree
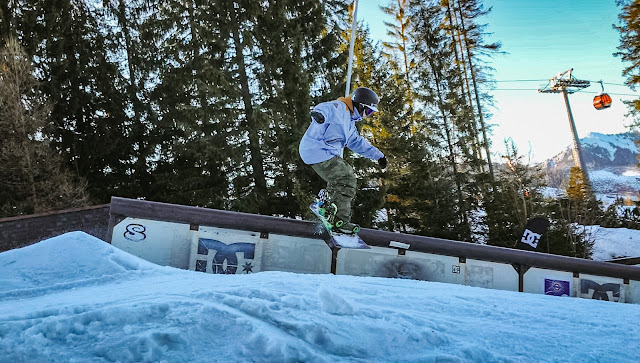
x,y
629,51
472,46
399,31
571,217
33,178
130,49
516,198
288,35
437,89
464,119
583,206
195,129
67,46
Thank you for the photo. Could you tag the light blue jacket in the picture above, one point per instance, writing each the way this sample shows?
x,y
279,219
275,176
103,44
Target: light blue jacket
x,y
324,141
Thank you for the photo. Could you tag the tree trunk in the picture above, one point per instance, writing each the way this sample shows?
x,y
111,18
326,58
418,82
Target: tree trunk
x,y
452,159
483,127
457,41
132,90
257,163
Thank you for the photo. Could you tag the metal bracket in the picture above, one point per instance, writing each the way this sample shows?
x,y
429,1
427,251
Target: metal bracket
x,y
521,270
334,259
518,267
401,247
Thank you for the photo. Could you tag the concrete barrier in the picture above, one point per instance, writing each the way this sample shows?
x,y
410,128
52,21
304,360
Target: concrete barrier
x,y
215,241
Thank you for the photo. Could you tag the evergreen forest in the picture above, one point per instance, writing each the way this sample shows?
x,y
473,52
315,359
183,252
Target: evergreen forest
x,y
204,103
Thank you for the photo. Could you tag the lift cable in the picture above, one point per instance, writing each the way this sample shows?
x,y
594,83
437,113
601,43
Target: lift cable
x,y
581,91
546,80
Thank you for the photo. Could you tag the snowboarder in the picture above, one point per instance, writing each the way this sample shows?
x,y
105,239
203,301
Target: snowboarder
x,y
332,129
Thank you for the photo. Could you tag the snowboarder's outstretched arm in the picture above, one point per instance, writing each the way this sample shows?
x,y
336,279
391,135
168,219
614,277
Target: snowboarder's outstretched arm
x,y
362,146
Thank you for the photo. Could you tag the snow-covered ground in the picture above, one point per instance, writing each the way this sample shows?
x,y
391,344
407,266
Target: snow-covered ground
x,y
621,181
613,243
609,243
74,298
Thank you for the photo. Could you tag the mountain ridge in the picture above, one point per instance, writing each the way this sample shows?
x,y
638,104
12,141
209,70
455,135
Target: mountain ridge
x,y
611,160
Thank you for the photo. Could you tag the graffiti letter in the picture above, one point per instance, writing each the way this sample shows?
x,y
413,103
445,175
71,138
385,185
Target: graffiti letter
x,y
227,253
600,291
135,232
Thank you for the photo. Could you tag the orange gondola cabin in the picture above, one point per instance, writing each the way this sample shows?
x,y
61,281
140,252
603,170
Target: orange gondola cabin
x,y
602,101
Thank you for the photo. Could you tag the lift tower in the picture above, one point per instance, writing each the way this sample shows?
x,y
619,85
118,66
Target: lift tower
x,y
566,84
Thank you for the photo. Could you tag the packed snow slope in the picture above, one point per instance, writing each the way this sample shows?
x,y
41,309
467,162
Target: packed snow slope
x,y
76,298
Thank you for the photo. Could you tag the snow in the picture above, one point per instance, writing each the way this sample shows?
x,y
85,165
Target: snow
x,y
74,298
616,181
347,241
613,243
610,142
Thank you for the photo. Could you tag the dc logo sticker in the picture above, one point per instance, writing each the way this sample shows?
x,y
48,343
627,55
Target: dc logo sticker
x,y
135,232
531,238
596,291
225,260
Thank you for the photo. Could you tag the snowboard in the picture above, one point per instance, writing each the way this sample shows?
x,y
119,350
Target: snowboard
x,y
338,240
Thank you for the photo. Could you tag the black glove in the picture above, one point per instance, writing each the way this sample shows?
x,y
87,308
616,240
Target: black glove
x,y
317,117
382,162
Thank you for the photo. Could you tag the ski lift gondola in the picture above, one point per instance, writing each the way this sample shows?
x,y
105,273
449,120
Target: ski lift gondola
x,y
603,100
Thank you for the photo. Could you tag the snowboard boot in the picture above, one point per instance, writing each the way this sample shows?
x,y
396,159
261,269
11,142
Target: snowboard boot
x,y
343,227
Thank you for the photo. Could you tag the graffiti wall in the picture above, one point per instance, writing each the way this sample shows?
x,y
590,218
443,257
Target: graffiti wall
x,y
163,243
218,250
601,288
228,251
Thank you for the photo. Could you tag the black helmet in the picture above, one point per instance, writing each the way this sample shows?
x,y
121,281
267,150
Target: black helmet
x,y
365,101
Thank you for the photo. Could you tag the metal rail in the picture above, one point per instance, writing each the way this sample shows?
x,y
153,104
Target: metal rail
x,y
122,207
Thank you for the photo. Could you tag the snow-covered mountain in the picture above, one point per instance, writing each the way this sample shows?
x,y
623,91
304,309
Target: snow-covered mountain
x,y
601,151
611,161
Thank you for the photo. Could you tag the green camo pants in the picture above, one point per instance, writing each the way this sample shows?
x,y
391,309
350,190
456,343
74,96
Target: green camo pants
x,y
341,184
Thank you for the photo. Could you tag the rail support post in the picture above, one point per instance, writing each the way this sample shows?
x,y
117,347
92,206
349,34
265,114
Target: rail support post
x,y
521,270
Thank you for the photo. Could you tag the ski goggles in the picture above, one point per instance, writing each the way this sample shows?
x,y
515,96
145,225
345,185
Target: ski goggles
x,y
368,110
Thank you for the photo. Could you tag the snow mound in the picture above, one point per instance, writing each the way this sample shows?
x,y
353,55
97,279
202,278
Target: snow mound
x,y
77,299
334,303
68,261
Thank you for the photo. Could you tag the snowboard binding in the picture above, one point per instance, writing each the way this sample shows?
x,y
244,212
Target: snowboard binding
x,y
328,210
346,228
325,207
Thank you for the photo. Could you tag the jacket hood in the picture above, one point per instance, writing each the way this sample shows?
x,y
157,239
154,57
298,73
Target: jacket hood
x,y
355,115
347,101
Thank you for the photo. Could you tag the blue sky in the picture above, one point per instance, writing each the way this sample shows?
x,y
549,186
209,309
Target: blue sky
x,y
542,38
